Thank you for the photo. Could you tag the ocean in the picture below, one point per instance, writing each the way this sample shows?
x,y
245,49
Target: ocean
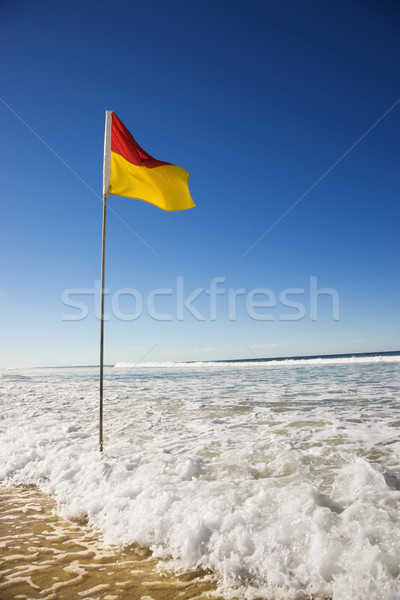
x,y
280,479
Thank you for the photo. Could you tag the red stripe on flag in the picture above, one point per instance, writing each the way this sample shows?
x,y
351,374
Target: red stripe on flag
x,y
123,143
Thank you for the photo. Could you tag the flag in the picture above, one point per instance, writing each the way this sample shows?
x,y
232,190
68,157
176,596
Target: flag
x,y
130,171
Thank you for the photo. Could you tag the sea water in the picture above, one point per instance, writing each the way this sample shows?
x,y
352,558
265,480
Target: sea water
x,y
282,478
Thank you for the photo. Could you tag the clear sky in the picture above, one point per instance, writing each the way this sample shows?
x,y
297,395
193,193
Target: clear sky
x,y
258,100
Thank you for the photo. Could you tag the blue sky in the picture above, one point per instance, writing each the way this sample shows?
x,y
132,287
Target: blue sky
x,y
257,100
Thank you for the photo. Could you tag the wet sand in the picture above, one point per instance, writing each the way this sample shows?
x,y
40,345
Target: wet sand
x,y
47,557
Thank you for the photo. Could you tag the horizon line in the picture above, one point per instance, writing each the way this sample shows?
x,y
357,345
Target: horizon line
x,y
220,360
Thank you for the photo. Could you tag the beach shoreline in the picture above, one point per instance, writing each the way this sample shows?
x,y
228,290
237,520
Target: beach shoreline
x,y
280,482
48,557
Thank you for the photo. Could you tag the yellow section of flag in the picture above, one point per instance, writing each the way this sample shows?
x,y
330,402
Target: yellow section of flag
x,y
165,186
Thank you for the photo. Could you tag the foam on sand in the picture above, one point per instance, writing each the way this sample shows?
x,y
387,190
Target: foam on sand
x,y
282,482
45,556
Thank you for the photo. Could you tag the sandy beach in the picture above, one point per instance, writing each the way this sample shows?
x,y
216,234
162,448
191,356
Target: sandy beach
x,y
47,557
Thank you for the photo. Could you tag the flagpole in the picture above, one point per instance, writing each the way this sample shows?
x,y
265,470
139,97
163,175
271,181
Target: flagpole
x,y
103,257
106,183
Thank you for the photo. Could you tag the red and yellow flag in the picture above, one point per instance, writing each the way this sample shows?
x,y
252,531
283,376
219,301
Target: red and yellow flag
x,y
130,171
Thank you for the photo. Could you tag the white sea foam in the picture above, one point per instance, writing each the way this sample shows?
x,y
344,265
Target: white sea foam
x,y
284,362
283,482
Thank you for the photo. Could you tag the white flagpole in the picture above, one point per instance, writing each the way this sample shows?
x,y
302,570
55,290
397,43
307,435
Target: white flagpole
x,y
106,182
